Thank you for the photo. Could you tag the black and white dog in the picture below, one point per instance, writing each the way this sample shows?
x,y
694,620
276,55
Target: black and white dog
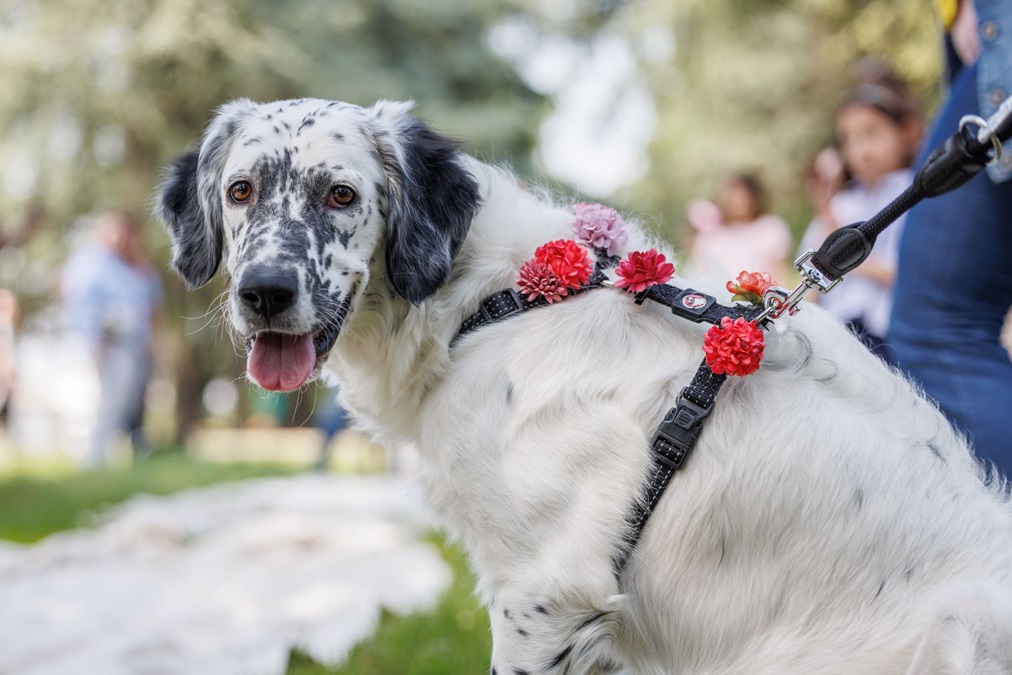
x,y
829,520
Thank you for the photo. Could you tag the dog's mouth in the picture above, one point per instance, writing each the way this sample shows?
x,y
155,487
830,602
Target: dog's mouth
x,y
284,361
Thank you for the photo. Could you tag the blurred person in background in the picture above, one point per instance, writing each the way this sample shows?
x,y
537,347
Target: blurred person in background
x,y
954,283
9,314
735,233
878,129
330,418
111,294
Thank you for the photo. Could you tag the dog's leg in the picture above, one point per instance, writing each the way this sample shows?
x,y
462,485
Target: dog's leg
x,y
539,634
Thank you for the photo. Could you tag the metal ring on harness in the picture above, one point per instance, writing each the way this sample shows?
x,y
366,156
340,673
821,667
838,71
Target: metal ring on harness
x,y
967,120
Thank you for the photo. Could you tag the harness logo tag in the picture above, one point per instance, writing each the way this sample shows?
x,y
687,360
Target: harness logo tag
x,y
693,301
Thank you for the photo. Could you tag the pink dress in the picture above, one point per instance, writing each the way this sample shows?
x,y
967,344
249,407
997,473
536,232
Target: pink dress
x,y
723,249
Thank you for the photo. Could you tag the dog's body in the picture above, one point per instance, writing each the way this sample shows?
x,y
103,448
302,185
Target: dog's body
x,y
828,521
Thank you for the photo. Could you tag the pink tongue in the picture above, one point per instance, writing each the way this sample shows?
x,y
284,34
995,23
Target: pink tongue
x,y
281,362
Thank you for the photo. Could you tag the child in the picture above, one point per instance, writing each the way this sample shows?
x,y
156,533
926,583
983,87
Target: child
x,y
877,129
736,234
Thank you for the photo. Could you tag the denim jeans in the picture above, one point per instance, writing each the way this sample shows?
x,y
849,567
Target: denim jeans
x,y
953,290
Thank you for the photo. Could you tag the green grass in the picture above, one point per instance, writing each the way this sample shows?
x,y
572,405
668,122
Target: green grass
x,y
37,500
452,639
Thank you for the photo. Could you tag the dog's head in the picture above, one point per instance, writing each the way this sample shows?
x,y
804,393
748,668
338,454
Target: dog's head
x,y
305,200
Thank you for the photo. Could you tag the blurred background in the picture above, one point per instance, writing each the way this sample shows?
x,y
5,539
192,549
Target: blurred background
x,y
645,105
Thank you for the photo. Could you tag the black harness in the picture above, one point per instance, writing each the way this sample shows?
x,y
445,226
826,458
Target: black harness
x,y
678,432
947,168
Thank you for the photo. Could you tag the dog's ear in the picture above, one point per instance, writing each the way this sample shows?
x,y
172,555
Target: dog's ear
x,y
189,200
432,200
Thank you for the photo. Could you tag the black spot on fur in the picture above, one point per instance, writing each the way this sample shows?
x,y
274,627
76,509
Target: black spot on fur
x,y
523,633
858,497
506,613
509,393
560,657
881,587
518,671
540,609
252,141
339,137
589,621
935,451
432,202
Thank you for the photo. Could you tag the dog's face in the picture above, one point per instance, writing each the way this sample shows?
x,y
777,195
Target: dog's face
x,y
306,201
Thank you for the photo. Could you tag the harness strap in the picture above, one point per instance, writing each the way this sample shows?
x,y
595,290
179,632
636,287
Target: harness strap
x,y
678,432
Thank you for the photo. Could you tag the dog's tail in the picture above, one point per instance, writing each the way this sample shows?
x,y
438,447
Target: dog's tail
x,y
969,634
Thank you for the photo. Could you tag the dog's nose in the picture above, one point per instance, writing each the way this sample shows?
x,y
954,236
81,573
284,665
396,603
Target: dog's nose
x,y
268,292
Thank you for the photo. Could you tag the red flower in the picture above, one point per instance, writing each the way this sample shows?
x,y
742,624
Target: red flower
x,y
537,278
734,347
751,286
568,260
643,269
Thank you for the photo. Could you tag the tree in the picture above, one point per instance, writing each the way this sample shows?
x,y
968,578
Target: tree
x,y
95,98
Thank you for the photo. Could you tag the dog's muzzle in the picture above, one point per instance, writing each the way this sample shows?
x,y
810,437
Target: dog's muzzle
x,y
279,359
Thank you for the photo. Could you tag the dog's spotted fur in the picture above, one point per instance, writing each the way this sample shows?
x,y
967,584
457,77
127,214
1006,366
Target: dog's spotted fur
x,y
829,520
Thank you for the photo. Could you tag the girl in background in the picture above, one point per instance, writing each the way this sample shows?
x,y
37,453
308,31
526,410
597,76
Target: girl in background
x,y
736,234
878,129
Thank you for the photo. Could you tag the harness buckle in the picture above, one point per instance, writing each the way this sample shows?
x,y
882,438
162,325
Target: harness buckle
x,y
501,304
679,431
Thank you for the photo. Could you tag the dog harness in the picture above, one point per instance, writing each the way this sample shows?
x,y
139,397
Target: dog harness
x,y
953,164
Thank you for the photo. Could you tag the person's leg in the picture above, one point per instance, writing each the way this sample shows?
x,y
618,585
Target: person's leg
x,y
953,290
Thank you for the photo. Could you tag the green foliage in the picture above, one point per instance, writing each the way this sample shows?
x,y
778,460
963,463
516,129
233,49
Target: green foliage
x,y
33,506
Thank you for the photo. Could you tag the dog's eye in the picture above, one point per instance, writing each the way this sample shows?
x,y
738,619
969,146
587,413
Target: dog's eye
x,y
240,191
340,197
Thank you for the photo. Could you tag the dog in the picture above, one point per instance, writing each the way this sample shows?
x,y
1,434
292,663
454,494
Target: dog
x,y
828,521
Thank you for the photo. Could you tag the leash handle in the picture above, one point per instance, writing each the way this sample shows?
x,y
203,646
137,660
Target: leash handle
x,y
948,167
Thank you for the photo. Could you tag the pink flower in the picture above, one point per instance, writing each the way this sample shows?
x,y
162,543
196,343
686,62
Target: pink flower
x,y
568,260
643,269
734,347
600,227
537,278
751,286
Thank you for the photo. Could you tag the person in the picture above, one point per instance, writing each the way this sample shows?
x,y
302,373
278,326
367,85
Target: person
x,y
110,295
736,233
954,283
878,128
330,418
9,314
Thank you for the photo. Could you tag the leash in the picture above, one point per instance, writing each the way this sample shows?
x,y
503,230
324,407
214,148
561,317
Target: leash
x,y
948,167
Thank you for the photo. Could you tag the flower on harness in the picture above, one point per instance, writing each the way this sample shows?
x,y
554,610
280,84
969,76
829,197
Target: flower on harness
x,y
751,286
557,267
643,269
734,347
600,227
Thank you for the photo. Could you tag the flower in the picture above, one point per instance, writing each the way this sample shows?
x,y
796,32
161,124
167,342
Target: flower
x,y
600,226
537,278
568,260
643,269
751,286
734,347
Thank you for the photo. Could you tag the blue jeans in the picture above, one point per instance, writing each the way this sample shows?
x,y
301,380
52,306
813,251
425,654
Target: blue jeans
x,y
953,290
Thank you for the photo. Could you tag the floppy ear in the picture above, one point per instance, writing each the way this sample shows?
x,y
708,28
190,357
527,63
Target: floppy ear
x,y
189,202
433,199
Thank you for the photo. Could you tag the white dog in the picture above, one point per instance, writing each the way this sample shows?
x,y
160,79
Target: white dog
x,y
828,521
